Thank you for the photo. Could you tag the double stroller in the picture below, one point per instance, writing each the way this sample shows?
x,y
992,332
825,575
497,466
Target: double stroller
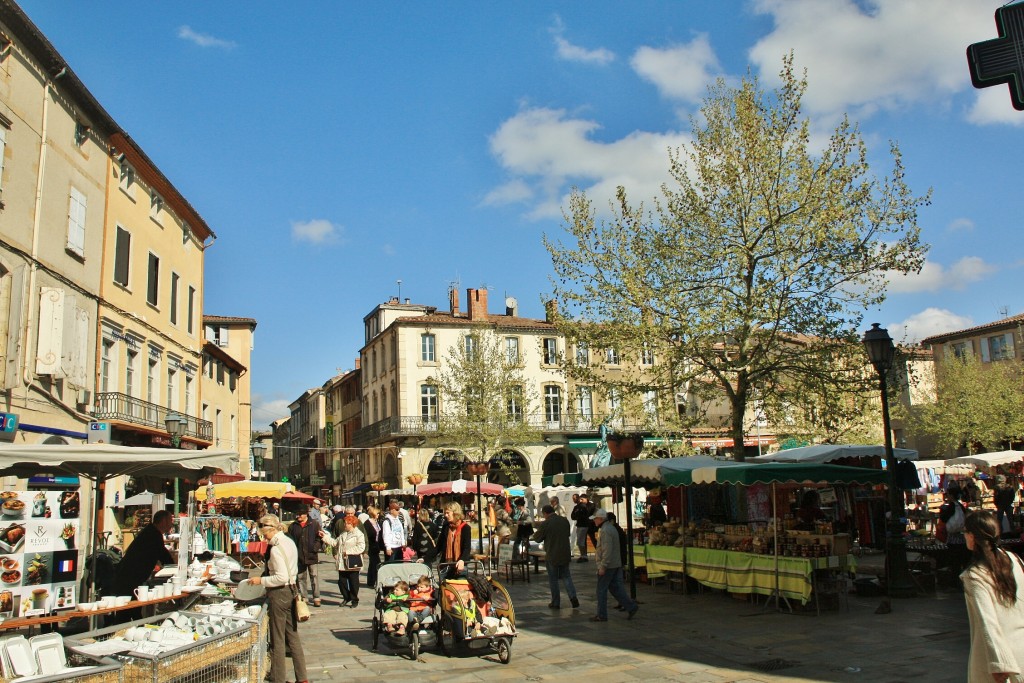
x,y
407,637
470,612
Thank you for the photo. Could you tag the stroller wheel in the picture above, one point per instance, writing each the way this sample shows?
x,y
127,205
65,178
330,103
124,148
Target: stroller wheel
x,y
446,635
504,650
414,645
376,632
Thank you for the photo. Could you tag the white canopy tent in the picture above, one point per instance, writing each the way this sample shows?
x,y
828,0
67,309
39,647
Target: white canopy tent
x,y
100,462
822,453
986,460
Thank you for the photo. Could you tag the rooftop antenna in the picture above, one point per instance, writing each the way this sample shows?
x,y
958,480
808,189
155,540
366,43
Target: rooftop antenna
x,y
1004,311
399,290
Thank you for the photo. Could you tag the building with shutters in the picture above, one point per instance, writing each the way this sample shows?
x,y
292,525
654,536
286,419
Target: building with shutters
x,y
225,386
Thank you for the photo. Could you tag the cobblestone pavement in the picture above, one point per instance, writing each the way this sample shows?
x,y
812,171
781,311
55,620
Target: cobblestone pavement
x,y
706,637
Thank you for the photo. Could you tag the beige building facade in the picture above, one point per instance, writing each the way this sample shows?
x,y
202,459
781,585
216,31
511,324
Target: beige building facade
x,y
225,384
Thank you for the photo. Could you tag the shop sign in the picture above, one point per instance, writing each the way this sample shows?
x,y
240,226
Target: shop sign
x,y
99,432
8,426
317,480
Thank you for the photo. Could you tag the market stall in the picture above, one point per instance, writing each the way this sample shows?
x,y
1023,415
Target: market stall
x,y
765,555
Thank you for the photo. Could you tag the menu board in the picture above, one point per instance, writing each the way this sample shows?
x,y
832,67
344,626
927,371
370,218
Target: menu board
x,y
39,541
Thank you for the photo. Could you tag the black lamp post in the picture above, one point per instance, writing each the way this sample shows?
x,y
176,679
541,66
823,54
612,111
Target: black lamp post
x,y
259,451
625,447
881,351
176,424
478,469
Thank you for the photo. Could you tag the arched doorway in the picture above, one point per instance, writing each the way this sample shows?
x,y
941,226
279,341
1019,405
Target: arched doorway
x,y
446,465
560,461
509,468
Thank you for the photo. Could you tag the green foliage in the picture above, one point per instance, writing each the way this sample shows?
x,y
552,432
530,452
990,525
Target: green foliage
x,y
756,264
978,404
485,400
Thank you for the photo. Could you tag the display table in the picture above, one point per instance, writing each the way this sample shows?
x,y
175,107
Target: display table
x,y
65,615
743,573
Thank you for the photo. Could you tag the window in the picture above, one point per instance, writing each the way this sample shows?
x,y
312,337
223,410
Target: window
x,y
3,145
552,405
515,403
997,348
373,372
384,402
129,373
174,298
106,364
470,346
582,354
220,372
428,403
217,335
153,286
394,351
172,389
614,401
611,356
550,351
191,309
584,402
962,349
76,222
647,356
512,350
216,427
427,348
651,402
122,256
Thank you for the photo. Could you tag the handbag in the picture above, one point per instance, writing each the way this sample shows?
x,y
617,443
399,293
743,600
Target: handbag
x,y
408,553
353,561
300,608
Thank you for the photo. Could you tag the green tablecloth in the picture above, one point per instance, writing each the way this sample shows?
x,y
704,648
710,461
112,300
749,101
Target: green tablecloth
x,y
740,572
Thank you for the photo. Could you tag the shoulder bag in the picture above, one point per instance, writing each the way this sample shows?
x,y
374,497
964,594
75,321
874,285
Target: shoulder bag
x,y
300,608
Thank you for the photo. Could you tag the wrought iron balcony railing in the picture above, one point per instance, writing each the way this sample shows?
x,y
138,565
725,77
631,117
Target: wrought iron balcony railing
x,y
567,423
113,405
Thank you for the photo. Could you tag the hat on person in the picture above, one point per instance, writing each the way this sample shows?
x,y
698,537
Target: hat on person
x,y
599,512
316,501
337,508
548,510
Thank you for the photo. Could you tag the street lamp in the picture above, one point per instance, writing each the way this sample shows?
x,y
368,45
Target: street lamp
x,y
259,450
881,351
478,469
176,424
625,447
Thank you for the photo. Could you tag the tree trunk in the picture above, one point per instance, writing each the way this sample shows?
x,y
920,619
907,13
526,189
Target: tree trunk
x,y
739,408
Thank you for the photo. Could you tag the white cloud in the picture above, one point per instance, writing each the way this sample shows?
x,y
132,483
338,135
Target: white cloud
x,y
960,225
317,231
681,72
928,322
266,410
874,54
992,106
575,53
388,249
204,39
513,192
546,150
934,277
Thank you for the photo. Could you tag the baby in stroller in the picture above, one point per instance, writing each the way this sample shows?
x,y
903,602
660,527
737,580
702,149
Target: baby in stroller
x,y
469,601
421,601
396,610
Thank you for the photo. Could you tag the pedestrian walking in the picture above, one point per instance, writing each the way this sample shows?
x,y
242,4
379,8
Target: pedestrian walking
x,y
425,538
374,544
609,569
554,534
394,533
994,591
279,580
305,533
349,547
581,514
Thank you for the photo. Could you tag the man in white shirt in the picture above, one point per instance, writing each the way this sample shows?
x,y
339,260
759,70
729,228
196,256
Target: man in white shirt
x,y
279,580
394,532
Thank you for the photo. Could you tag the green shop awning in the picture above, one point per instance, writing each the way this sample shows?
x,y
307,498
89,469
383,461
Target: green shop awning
x,y
584,443
562,479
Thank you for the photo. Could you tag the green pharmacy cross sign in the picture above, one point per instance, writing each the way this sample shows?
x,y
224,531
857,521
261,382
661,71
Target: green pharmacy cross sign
x,y
1001,60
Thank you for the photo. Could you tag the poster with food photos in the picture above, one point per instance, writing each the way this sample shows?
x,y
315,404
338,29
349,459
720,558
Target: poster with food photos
x,y
39,551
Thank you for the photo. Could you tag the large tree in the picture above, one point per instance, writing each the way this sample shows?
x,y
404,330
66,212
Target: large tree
x,y
977,404
485,399
756,265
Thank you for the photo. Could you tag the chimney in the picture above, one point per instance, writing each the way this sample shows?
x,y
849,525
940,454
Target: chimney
x,y
453,299
407,301
477,303
551,311
357,362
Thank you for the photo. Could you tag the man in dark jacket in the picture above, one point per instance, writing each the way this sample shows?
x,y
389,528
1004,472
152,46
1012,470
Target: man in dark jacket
x,y
145,554
554,534
306,534
581,513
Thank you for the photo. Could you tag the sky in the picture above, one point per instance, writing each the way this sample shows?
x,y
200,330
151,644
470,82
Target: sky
x,y
337,148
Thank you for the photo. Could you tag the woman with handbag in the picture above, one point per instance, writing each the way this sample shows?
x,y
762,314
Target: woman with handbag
x,y
349,547
994,592
424,538
279,580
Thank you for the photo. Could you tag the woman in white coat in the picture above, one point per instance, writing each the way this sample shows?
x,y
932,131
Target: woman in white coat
x,y
994,591
349,547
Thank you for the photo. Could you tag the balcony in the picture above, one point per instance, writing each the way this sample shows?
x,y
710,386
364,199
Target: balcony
x,y
402,427
134,411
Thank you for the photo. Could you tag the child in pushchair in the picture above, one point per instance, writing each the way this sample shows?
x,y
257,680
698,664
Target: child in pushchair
x,y
396,610
421,601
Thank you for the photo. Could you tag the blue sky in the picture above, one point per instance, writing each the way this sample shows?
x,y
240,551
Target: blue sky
x,y
337,147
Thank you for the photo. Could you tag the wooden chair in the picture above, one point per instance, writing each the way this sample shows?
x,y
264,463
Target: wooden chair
x,y
509,564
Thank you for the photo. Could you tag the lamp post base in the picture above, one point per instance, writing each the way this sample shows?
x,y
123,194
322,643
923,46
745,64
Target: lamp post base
x,y
899,584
